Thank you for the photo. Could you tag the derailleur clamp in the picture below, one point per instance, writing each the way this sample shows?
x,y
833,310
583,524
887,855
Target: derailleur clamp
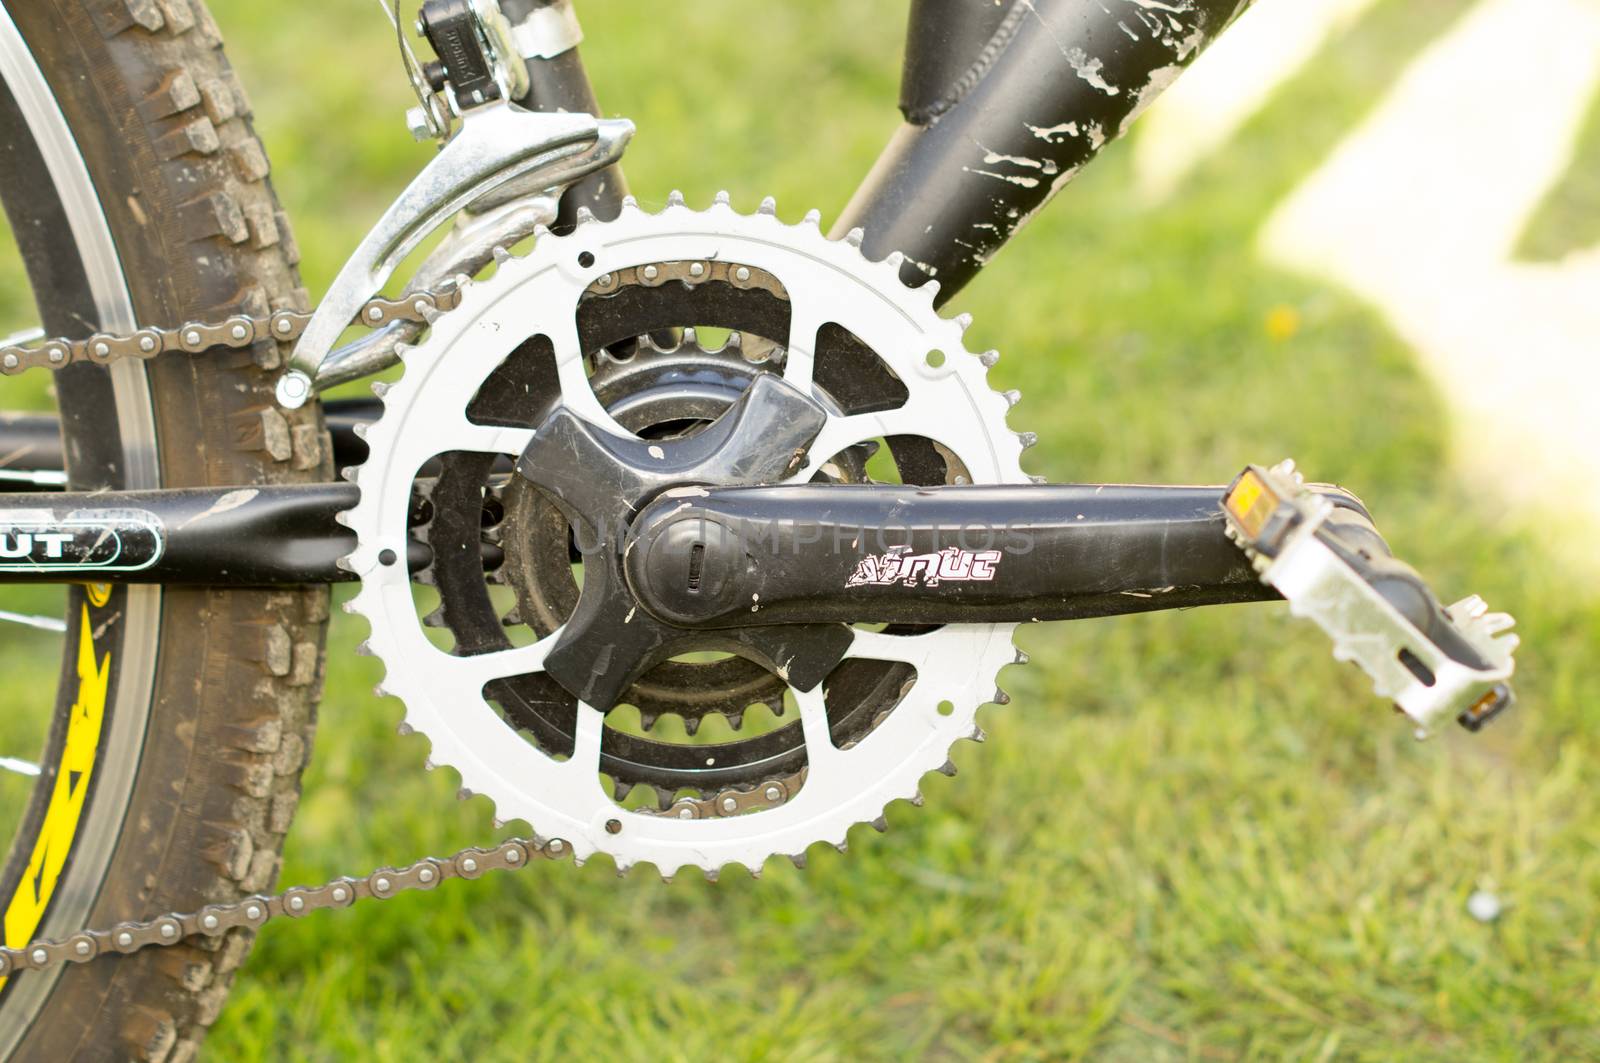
x,y
483,48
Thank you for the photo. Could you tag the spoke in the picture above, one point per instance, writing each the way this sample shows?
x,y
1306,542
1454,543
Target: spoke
x,y
20,767
43,623
23,336
30,449
42,478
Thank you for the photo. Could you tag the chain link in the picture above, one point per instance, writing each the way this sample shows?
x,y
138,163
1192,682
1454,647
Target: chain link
x,y
284,326
215,920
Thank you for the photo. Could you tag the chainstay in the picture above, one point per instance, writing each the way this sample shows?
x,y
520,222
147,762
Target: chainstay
x,y
215,920
240,331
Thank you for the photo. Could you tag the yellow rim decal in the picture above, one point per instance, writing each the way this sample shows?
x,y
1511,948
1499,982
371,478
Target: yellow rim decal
x,y
60,824
99,594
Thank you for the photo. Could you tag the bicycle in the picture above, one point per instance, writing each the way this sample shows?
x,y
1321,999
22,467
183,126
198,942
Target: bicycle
x,y
822,512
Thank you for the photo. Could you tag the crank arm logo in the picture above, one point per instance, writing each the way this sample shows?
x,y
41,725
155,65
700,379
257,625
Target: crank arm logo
x,y
900,566
103,540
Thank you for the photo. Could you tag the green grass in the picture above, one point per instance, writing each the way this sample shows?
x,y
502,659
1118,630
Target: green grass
x,y
1192,836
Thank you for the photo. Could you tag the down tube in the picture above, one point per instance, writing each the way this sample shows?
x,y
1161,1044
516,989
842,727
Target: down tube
x,y
1003,111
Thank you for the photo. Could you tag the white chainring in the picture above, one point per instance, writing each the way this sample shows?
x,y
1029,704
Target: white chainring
x,y
957,665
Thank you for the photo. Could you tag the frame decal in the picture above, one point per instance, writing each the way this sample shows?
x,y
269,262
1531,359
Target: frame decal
x,y
110,540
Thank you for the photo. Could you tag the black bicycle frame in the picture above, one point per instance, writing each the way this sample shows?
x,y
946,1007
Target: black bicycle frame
x,y
1003,105
1004,102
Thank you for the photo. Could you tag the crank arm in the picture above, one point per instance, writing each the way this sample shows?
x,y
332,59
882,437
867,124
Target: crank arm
x,y
737,557
498,145
732,557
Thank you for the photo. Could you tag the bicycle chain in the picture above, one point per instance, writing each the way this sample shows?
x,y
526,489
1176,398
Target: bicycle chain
x,y
215,920
239,331
255,911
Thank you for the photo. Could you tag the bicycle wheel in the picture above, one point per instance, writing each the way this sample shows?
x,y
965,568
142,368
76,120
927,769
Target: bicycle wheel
x,y
138,193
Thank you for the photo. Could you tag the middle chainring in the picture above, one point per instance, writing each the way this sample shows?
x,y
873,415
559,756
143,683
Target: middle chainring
x,y
607,322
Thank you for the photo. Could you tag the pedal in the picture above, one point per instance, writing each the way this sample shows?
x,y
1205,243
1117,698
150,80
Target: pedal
x,y
1335,569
